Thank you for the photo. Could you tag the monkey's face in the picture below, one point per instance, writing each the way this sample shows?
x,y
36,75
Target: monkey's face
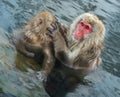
x,y
36,28
82,30
86,26
45,20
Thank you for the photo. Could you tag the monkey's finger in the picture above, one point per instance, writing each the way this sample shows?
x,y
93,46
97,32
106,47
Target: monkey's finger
x,y
49,34
54,25
58,24
49,30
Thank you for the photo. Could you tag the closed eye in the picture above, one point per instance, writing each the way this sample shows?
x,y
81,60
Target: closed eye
x,y
82,24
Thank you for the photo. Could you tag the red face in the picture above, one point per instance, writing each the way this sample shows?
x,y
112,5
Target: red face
x,y
82,29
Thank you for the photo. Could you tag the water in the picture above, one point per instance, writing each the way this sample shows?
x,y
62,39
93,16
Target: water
x,y
15,13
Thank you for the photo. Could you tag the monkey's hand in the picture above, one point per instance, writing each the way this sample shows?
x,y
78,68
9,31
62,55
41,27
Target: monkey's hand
x,y
58,37
53,30
60,42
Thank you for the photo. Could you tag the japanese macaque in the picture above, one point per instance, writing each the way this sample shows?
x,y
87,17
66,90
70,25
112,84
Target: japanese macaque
x,y
85,43
34,34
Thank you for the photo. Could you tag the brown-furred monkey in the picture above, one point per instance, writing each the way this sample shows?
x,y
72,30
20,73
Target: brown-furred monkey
x,y
34,34
85,43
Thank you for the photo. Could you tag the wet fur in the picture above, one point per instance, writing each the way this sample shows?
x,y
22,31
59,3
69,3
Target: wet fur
x,y
91,47
83,55
34,34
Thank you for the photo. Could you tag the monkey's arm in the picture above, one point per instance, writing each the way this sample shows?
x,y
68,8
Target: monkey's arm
x,y
49,58
33,48
48,62
62,51
21,48
18,41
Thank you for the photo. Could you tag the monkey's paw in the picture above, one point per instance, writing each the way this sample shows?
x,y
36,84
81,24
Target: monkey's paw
x,y
41,75
52,29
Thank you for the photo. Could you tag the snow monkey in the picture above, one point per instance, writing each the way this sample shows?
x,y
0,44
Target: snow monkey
x,y
34,34
85,44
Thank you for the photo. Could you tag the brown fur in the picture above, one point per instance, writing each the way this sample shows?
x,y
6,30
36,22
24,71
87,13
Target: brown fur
x,y
34,34
82,55
91,47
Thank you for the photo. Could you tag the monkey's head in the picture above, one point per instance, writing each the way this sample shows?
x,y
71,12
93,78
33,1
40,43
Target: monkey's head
x,y
36,28
43,20
46,19
86,26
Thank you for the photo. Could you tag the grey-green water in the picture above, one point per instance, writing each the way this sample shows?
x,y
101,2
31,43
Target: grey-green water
x,y
15,70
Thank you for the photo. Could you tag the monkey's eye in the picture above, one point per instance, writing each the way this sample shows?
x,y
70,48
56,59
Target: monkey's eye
x,y
40,21
82,23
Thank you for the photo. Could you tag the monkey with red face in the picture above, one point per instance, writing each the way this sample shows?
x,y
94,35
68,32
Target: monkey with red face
x,y
85,44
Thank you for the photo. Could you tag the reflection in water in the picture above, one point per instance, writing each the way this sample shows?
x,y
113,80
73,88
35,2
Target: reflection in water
x,y
15,13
